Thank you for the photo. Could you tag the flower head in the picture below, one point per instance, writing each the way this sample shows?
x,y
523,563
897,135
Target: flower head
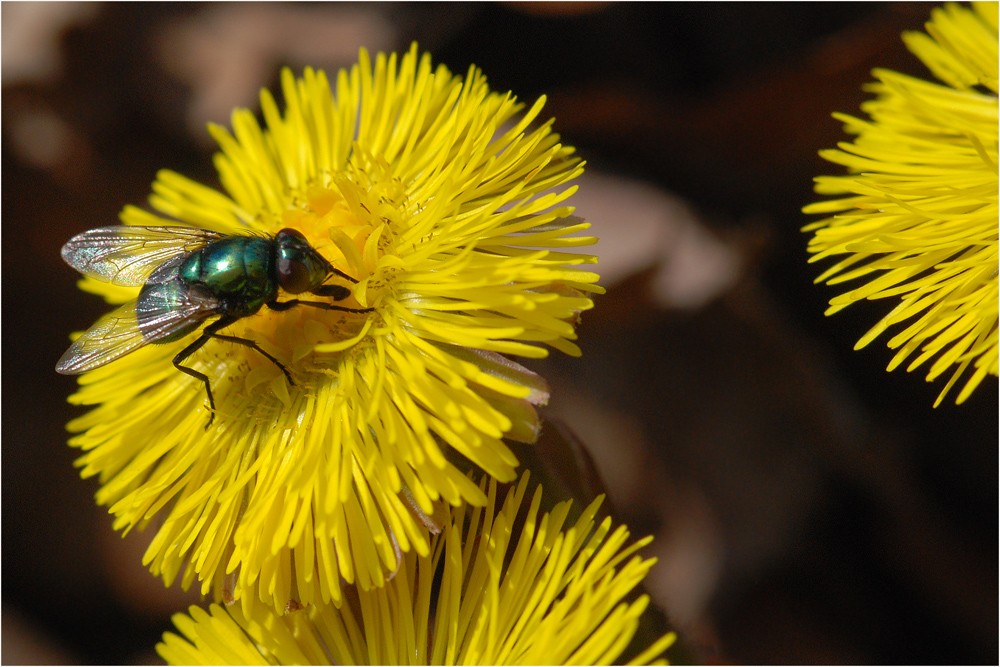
x,y
920,217
446,213
492,591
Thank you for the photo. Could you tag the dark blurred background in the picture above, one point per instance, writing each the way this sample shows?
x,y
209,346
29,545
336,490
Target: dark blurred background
x,y
809,507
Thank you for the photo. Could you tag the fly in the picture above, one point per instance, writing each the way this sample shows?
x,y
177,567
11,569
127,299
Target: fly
x,y
189,276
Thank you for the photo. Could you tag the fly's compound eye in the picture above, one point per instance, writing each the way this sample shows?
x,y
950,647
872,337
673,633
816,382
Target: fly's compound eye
x,y
294,275
300,267
289,235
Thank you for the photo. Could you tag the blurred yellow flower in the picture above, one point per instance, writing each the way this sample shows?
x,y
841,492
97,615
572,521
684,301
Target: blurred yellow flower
x,y
493,591
433,193
920,219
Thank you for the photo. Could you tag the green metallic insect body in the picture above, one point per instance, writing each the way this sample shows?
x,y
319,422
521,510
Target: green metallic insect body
x,y
189,276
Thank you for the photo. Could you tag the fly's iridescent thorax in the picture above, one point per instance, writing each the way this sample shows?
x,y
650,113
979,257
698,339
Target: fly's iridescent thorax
x,y
300,267
238,270
232,276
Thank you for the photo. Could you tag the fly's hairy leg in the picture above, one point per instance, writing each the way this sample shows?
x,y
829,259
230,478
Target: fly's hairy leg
x,y
211,331
335,292
343,275
194,347
285,305
246,342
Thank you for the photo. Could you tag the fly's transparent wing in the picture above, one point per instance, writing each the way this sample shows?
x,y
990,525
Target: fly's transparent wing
x,y
126,256
118,333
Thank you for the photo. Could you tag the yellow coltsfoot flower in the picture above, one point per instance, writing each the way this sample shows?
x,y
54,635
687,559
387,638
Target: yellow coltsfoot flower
x,y
492,591
432,193
920,220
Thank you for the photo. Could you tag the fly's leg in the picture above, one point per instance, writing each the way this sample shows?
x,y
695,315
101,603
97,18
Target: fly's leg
x,y
285,305
335,292
343,275
211,332
194,347
246,342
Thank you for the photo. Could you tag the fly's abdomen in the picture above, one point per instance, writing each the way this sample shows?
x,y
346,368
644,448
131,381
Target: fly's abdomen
x,y
174,306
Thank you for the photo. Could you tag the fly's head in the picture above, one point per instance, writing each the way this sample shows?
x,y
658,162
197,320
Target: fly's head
x,y
300,267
